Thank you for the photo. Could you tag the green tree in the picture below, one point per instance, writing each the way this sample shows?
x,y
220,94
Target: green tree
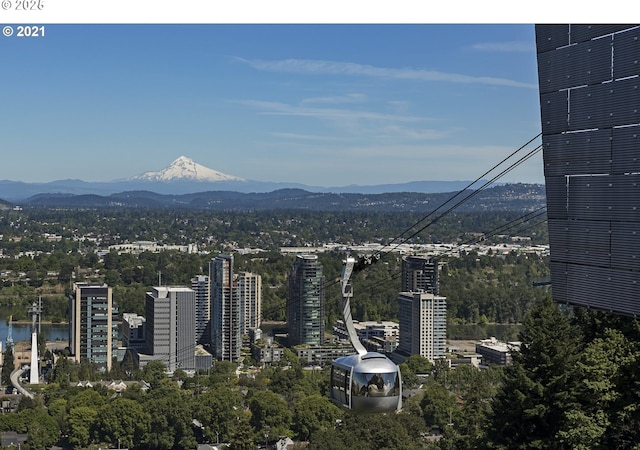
x,y
270,412
540,385
609,413
154,372
170,417
314,413
242,433
58,410
218,410
438,405
43,430
80,425
123,422
8,366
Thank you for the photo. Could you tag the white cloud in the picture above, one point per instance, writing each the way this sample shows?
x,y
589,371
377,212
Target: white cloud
x,y
317,67
333,114
337,99
305,137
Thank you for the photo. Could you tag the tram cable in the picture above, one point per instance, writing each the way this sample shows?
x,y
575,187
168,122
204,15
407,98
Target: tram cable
x,y
468,187
363,262
476,240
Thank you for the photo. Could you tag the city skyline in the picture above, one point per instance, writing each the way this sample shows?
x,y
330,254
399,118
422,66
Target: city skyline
x,y
318,104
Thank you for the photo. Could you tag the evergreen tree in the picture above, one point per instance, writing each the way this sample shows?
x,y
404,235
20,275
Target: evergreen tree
x,y
540,385
8,366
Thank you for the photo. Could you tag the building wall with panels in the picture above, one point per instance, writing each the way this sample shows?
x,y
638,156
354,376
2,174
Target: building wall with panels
x,y
589,79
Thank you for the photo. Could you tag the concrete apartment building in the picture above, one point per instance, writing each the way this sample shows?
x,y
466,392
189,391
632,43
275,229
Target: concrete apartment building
x,y
93,332
423,324
249,294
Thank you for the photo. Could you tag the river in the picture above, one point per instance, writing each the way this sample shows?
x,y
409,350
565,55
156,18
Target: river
x,y
22,331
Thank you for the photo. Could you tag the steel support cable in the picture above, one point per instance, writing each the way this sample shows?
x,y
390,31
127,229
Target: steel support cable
x,y
512,224
460,192
381,254
470,196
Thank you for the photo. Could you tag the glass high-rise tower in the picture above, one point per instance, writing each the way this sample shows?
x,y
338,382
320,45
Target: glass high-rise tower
x,y
420,273
200,284
305,304
226,338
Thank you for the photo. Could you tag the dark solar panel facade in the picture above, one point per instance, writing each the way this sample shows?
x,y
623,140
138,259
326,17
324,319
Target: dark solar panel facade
x,y
589,78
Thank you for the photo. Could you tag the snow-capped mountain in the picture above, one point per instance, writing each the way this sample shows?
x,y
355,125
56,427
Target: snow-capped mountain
x,y
185,169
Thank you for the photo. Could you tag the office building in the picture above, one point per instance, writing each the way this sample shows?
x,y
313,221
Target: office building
x,y
133,331
226,337
200,284
249,297
494,351
170,326
423,324
91,324
589,95
420,273
305,304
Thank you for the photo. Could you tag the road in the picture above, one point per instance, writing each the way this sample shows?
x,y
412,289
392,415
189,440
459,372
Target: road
x,y
15,381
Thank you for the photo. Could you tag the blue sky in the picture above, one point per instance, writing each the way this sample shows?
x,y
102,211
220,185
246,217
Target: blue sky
x,y
323,105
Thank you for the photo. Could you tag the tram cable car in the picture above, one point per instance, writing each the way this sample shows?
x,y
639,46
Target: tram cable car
x,y
367,382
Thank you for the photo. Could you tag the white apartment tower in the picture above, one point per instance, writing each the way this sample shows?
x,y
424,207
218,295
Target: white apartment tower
x,y
249,293
423,324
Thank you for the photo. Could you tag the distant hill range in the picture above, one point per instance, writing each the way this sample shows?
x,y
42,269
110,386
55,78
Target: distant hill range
x,y
510,197
187,184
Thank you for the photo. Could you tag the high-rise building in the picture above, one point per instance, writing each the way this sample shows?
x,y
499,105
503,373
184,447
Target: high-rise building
x,y
133,331
423,324
305,304
226,339
170,326
420,273
200,284
589,96
91,324
249,294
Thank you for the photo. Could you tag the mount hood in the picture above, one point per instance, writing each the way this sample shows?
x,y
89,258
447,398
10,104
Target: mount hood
x,y
185,169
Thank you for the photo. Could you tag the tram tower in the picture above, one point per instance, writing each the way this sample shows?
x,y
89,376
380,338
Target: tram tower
x,y
36,313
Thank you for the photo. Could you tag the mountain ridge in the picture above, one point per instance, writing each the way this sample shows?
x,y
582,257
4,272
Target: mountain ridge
x,y
184,176
508,197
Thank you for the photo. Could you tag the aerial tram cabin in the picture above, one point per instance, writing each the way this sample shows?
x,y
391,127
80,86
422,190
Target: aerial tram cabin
x,y
367,382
